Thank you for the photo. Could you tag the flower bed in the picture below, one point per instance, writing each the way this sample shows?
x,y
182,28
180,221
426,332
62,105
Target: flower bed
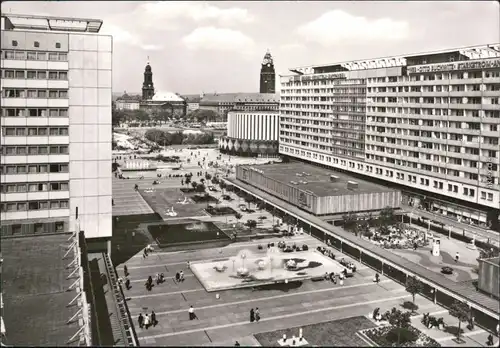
x,y
386,336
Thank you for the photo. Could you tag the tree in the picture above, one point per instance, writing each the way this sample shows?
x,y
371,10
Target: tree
x,y
400,321
200,188
222,185
188,180
194,184
459,310
238,216
414,287
261,205
386,216
350,222
117,117
249,199
208,177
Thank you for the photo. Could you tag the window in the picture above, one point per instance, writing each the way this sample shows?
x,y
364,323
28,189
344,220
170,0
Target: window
x,y
59,226
9,74
31,75
42,94
21,132
41,56
42,131
63,57
54,168
42,75
54,131
53,56
63,94
44,205
52,75
32,131
64,204
33,151
31,55
16,229
36,44
32,93
33,206
53,113
490,197
58,45
42,150
54,205
14,43
63,75
54,150
53,94
19,74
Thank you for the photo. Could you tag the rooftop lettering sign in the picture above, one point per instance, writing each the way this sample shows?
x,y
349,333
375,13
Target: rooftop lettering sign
x,y
330,76
452,66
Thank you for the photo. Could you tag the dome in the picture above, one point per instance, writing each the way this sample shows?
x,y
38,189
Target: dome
x,y
162,96
148,68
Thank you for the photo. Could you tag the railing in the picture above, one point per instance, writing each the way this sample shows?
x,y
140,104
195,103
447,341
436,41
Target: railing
x,y
122,312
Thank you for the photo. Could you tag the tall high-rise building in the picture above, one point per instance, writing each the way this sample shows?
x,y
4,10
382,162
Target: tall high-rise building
x,y
429,123
56,127
267,75
148,89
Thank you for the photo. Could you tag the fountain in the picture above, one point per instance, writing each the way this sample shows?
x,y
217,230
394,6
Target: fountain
x,y
247,268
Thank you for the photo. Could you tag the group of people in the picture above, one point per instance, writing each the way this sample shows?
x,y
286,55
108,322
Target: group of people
x,y
145,321
179,277
254,315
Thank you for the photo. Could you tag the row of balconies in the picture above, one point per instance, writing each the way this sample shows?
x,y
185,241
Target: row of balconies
x,y
23,159
35,140
485,80
33,196
35,121
34,103
36,177
434,94
34,214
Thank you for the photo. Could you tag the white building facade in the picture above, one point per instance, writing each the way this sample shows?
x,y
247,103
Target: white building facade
x,y
56,127
429,122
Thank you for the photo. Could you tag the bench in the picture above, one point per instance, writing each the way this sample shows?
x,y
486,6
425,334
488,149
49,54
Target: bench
x,y
318,279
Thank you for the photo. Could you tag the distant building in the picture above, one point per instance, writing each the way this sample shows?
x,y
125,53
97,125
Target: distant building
x,y
252,126
154,101
128,102
267,75
223,103
193,101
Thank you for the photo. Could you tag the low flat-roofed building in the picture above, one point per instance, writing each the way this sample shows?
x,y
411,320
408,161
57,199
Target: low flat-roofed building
x,y
317,190
488,281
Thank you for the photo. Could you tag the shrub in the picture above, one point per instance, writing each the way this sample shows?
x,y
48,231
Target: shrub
x,y
410,306
405,336
251,223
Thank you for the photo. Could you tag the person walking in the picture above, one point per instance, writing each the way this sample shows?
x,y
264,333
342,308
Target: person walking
x,y
181,276
140,320
192,315
147,321
127,283
125,270
457,256
153,318
252,315
257,314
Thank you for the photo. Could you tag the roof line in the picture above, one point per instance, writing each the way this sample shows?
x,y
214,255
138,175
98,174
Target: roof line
x,y
486,45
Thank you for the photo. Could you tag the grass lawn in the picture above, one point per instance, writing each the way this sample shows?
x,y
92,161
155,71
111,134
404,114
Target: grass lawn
x,y
164,199
383,337
338,333
129,237
166,235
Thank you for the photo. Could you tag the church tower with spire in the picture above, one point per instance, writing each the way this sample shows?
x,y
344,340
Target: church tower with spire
x,y
267,75
148,89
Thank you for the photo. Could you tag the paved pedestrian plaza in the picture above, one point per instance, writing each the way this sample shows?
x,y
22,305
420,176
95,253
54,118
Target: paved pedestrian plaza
x,y
226,319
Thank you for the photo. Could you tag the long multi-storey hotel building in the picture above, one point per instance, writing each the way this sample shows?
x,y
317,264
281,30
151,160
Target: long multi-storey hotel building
x,y
55,160
428,122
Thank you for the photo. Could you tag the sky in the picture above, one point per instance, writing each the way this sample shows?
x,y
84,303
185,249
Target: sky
x,y
212,46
